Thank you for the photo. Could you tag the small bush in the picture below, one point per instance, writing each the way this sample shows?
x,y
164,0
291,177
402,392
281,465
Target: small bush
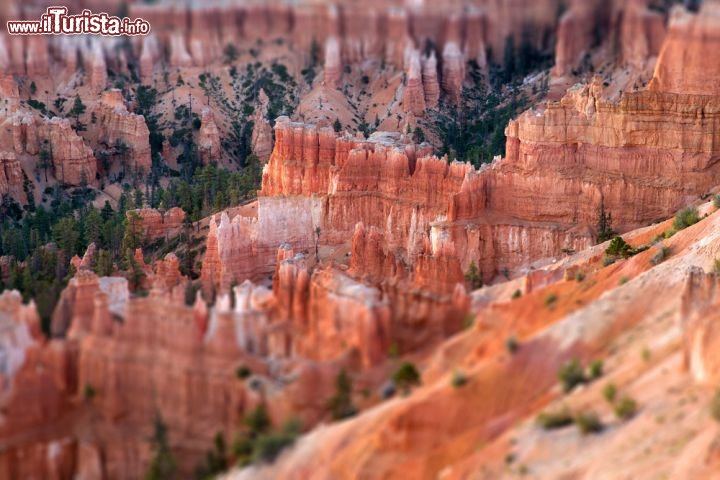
x,y
716,266
610,392
626,408
571,375
516,294
661,255
550,300
268,447
406,377
595,370
685,218
554,420
243,372
646,354
468,321
716,201
579,276
715,406
619,247
89,392
588,422
511,344
474,276
607,261
458,379
623,280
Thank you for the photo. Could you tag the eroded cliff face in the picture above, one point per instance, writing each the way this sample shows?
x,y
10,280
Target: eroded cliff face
x,y
209,138
615,150
631,33
484,24
359,246
11,176
687,57
115,125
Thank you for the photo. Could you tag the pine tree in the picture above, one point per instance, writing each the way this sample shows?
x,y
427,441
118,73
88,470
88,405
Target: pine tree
x,y
162,465
604,228
78,109
340,404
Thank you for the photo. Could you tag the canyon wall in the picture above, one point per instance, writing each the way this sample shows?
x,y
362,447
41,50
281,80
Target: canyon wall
x,y
631,32
115,126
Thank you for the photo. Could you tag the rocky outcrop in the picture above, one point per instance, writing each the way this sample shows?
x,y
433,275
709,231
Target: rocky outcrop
x,y
602,157
73,161
333,64
35,377
577,32
453,71
75,306
115,125
149,56
152,224
633,34
414,94
642,32
95,66
430,82
11,177
261,140
701,329
179,56
209,138
687,58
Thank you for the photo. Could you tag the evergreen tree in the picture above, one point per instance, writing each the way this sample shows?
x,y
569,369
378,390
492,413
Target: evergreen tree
x,y
604,228
340,404
162,464
78,109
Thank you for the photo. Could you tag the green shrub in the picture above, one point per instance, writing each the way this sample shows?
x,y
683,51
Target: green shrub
x,y
340,404
619,247
458,379
243,372
595,370
557,419
716,201
511,344
646,354
267,447
89,392
257,421
623,280
661,255
474,276
588,422
516,294
715,406
716,266
406,377
571,374
607,261
626,408
685,218
610,392
579,276
550,300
